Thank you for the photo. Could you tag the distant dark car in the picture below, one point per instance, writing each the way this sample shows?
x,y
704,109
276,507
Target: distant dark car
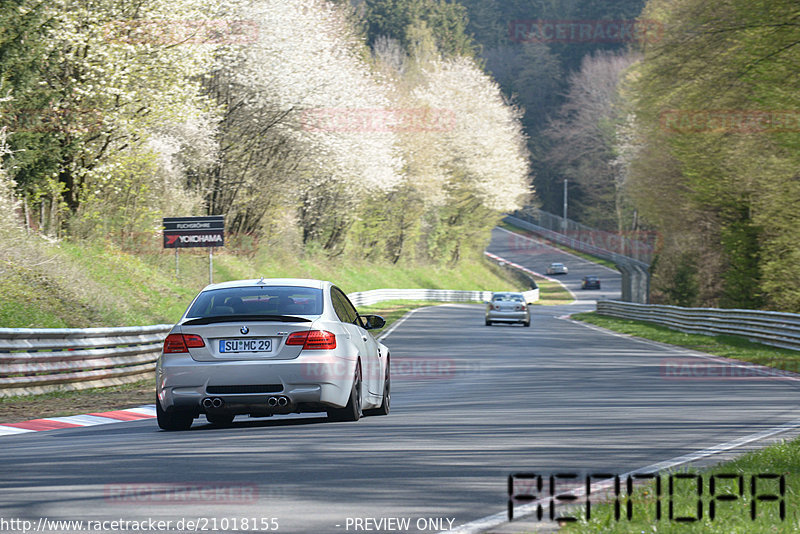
x,y
590,282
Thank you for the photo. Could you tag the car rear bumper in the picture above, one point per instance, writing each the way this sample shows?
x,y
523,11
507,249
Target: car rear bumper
x,y
310,383
510,316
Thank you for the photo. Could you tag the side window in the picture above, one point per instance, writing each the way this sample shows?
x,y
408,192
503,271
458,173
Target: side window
x,y
344,310
337,306
351,310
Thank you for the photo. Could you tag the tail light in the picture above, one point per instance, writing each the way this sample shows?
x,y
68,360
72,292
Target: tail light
x,y
313,339
178,343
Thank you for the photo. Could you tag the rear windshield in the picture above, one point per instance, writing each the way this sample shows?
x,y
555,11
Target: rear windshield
x,y
508,298
257,300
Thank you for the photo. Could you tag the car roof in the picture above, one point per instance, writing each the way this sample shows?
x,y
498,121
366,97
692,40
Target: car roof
x,y
503,293
556,263
290,282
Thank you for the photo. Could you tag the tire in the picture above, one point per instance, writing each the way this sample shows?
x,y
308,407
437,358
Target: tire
x,y
385,406
220,419
527,323
172,421
488,322
351,412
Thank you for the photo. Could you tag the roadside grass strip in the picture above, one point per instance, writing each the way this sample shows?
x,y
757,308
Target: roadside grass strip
x,y
731,347
54,423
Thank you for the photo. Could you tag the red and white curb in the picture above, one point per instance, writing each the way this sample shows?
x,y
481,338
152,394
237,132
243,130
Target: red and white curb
x,y
75,421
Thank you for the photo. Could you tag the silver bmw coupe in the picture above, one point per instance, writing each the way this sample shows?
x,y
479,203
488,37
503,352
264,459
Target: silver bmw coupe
x,y
271,346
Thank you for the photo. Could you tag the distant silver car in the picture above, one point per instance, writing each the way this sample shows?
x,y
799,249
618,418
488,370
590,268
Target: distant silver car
x,y
507,308
557,268
270,346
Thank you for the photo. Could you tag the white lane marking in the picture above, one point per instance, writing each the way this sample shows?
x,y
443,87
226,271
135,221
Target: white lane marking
x,y
399,322
84,420
494,520
777,374
8,430
147,409
540,242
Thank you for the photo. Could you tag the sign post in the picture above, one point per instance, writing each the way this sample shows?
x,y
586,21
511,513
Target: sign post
x,y
192,232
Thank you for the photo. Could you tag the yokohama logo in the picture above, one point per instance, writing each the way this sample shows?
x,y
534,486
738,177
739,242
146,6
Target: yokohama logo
x,y
207,239
203,238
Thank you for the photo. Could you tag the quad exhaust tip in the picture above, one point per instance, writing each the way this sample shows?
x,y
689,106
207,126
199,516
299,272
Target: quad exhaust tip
x,y
280,402
213,402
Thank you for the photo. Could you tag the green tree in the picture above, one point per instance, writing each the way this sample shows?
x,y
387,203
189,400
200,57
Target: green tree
x,y
398,18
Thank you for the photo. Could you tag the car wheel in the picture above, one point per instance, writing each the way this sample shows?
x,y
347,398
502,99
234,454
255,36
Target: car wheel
x,y
385,406
488,322
220,419
172,421
526,323
351,412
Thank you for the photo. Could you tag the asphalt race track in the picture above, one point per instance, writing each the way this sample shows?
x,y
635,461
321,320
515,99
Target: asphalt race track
x,y
536,255
470,404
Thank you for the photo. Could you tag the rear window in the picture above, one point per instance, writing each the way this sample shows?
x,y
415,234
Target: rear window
x,y
508,298
258,300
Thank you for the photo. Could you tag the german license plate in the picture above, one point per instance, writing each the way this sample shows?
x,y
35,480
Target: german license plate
x,y
245,345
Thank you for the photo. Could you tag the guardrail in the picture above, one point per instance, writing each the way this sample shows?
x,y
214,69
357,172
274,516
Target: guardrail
x,y
34,360
635,273
42,360
367,298
770,328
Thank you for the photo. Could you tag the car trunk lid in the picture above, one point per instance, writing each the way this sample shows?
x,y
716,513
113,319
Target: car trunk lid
x,y
245,340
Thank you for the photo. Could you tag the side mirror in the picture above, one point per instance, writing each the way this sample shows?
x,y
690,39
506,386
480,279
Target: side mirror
x,y
373,322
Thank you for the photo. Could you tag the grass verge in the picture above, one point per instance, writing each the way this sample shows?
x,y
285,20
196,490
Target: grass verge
x,y
731,516
89,284
552,293
734,347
